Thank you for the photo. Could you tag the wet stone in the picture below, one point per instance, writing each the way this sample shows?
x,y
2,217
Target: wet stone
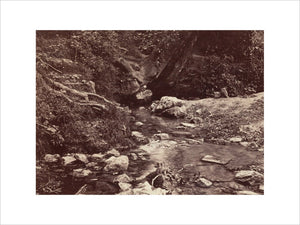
x,y
212,159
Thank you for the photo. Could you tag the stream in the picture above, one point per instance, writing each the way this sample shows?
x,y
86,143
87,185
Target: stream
x,y
182,154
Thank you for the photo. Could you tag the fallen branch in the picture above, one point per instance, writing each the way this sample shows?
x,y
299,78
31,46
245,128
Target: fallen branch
x,y
81,190
50,66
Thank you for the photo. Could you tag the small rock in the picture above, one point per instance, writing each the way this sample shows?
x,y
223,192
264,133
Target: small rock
x,y
68,160
253,146
244,143
246,193
81,157
142,108
79,173
189,125
138,124
249,176
161,136
117,163
260,149
203,182
235,139
91,164
133,156
199,112
261,187
144,96
217,94
124,186
123,178
113,152
224,92
212,159
97,157
139,137
51,158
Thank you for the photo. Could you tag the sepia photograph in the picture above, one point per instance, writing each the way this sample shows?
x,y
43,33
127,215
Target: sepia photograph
x,y
149,112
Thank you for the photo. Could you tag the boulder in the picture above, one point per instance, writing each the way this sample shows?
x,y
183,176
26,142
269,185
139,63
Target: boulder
x,y
203,182
81,157
49,158
177,112
80,173
123,178
144,96
167,102
161,136
117,163
249,177
139,137
68,159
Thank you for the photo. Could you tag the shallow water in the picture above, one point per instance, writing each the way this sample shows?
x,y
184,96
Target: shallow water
x,y
184,157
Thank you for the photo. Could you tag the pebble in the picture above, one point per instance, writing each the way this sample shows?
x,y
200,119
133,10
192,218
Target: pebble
x,y
244,143
138,124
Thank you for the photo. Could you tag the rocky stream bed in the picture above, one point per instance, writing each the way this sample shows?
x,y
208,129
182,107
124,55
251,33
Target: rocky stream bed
x,y
173,156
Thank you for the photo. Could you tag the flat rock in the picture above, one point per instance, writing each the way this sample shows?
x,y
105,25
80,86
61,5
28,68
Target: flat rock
x,y
244,143
235,139
49,158
79,173
249,177
213,159
189,125
246,193
97,157
119,163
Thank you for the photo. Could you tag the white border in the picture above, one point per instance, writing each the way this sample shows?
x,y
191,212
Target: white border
x,y
279,205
